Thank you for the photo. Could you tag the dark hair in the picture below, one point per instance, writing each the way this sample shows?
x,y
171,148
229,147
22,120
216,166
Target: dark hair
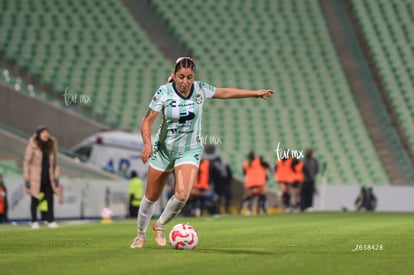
x,y
184,62
309,152
251,156
133,174
39,130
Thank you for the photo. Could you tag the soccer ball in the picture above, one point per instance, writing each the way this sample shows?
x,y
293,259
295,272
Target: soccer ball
x,y
183,236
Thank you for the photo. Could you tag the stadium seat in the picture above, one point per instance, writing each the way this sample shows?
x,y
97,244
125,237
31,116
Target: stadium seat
x,y
386,29
97,48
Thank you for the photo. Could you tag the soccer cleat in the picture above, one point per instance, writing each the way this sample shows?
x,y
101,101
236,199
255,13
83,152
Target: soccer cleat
x,y
159,234
138,243
35,225
52,225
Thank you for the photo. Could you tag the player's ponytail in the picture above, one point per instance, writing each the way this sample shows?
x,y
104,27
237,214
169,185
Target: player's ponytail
x,y
170,78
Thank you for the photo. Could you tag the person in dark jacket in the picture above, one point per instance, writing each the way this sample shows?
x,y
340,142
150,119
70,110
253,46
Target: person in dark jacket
x,y
310,170
221,176
372,200
41,173
361,202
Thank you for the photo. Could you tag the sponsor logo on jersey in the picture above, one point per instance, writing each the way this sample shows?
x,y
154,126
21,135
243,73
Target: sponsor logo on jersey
x,y
186,116
186,104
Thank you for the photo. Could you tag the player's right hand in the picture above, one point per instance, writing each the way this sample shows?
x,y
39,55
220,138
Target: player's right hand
x,y
146,153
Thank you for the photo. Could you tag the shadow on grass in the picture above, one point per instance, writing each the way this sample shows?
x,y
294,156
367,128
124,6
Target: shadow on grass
x,y
229,251
235,251
219,251
268,253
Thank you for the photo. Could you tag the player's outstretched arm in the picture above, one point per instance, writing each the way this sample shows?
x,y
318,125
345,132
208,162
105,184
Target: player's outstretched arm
x,y
146,134
226,93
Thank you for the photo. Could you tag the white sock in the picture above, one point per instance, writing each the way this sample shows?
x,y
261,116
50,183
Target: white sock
x,y
171,210
146,209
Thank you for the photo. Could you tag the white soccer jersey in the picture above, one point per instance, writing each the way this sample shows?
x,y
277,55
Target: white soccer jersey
x,y
180,128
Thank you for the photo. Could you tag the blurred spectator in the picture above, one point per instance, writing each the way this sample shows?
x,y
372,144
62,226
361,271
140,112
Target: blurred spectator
x,y
41,173
221,176
361,201
284,176
261,191
135,193
3,201
199,191
298,178
254,170
310,170
372,200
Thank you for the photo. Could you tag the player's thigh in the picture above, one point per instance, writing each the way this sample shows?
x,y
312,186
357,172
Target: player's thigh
x,y
156,180
185,175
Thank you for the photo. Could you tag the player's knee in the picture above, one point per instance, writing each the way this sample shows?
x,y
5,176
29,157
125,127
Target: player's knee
x,y
181,195
151,196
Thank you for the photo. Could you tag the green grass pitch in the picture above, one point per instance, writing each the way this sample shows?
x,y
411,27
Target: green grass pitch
x,y
308,243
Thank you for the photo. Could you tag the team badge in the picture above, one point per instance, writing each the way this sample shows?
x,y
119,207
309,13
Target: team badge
x,y
153,156
199,99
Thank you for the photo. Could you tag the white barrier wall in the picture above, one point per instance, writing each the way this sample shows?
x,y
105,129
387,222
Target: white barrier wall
x,y
79,198
84,198
389,198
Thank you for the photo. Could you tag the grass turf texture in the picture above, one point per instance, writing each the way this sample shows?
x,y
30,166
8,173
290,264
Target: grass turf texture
x,y
308,243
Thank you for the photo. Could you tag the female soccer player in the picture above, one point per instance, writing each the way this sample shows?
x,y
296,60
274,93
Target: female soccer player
x,y
178,146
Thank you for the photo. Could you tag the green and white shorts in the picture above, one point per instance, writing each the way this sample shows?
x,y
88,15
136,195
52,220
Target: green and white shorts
x,y
163,159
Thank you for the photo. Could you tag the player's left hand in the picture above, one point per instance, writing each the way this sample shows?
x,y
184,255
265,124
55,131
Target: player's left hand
x,y
146,153
264,94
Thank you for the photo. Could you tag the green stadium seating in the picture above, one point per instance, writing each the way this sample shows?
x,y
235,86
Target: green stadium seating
x,y
92,47
387,27
8,168
283,45
95,47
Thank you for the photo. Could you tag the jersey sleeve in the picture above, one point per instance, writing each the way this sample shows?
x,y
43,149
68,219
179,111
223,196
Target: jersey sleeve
x,y
158,100
209,90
